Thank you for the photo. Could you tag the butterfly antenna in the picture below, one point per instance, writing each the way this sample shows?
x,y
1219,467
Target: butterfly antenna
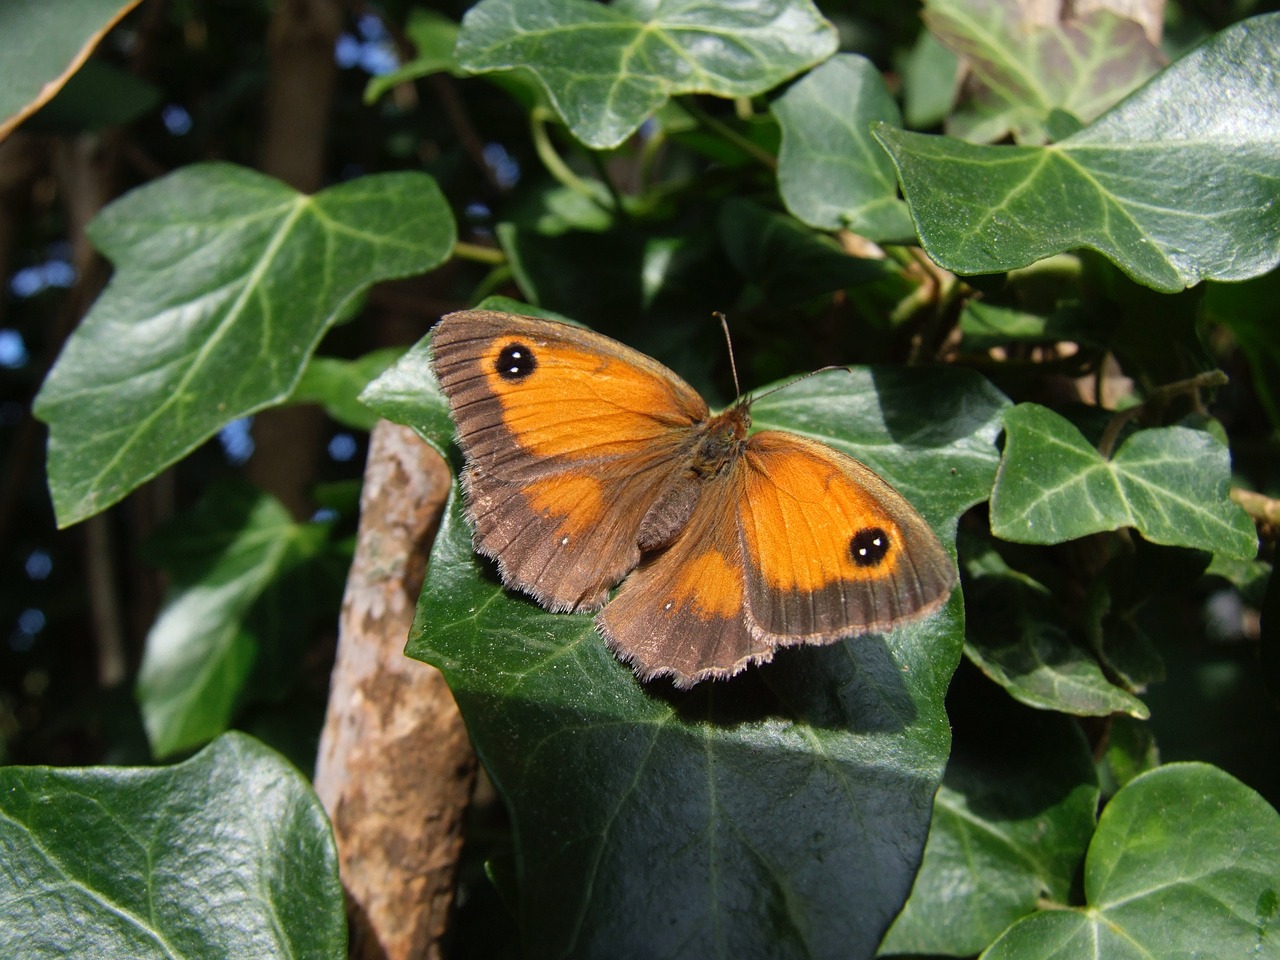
x,y
733,367
803,376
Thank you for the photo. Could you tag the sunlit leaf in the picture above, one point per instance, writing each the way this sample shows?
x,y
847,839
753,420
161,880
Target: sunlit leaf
x,y
1183,864
1176,184
1170,484
226,280
226,855
1024,71
607,68
831,172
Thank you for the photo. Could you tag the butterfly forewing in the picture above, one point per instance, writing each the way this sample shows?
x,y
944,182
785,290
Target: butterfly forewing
x,y
568,437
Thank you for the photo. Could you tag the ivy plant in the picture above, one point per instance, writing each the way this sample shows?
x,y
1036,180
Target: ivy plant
x,y
1055,298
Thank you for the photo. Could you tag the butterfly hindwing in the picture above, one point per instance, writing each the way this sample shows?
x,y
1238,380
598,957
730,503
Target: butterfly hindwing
x,y
831,548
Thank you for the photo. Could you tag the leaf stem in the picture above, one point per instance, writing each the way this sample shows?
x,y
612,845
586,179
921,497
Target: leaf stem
x,y
478,254
1159,397
552,160
757,153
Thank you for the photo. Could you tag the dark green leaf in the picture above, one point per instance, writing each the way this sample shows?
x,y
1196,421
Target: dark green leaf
x,y
226,855
1018,635
787,806
788,263
831,172
1131,750
1022,73
1170,484
43,44
1248,311
336,385
96,96
987,325
606,69
227,560
930,80
1174,185
1011,823
226,280
1183,864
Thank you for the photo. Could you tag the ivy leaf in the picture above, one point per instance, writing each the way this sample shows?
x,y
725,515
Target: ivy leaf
x,y
1183,864
1016,633
1177,183
607,68
1171,484
788,806
43,44
336,385
1248,311
831,172
226,280
1011,824
786,262
229,561
931,76
1025,72
226,855
433,36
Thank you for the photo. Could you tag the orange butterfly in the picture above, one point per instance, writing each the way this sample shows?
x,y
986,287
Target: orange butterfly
x,y
587,461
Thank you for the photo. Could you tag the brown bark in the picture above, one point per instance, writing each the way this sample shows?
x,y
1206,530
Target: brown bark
x,y
395,768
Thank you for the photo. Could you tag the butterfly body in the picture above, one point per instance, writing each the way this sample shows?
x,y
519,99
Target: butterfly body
x,y
588,462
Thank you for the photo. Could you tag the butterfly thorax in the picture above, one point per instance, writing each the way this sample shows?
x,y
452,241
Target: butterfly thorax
x,y
721,440
715,445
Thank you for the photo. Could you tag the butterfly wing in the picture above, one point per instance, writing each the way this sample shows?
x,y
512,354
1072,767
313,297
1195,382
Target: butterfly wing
x,y
568,437
793,543
831,548
682,612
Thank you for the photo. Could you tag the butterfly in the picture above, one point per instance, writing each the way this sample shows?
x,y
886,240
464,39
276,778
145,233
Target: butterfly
x,y
589,464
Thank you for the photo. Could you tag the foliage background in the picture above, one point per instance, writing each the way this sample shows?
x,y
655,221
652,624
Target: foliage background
x,y
1090,655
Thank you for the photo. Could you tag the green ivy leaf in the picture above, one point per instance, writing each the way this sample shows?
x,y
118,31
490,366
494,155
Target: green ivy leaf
x,y
433,36
1171,484
931,77
831,173
226,855
1183,864
1011,824
226,280
1023,73
97,96
1176,184
336,385
1131,750
1017,634
228,560
786,262
1248,311
788,806
43,44
607,68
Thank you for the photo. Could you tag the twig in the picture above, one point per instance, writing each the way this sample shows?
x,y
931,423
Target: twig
x,y
1158,398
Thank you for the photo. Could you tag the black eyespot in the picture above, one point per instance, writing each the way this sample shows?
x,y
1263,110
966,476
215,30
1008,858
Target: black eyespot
x,y
869,546
515,362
